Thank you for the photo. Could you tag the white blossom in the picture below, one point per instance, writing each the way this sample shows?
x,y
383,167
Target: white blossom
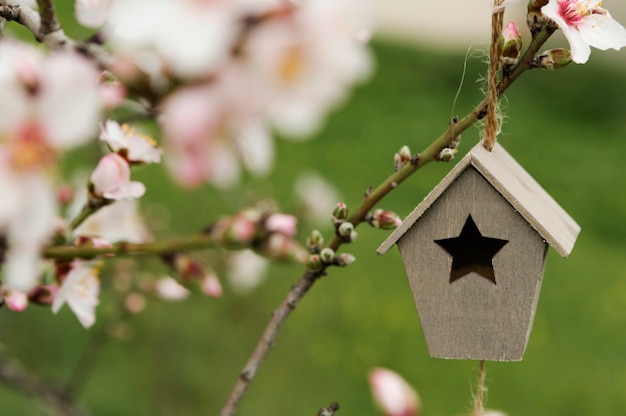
x,y
584,23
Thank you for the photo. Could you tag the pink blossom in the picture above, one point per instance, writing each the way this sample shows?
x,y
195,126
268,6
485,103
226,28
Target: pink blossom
x,y
282,223
393,394
584,23
111,179
197,148
136,147
80,289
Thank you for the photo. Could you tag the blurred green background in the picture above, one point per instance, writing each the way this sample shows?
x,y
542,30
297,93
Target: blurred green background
x,y
567,128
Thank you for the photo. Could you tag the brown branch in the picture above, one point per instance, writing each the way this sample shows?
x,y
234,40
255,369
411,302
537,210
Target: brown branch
x,y
47,30
429,154
329,411
49,22
266,342
54,399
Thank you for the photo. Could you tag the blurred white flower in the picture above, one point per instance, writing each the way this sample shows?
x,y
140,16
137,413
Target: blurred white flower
x,y
193,37
247,271
393,394
169,289
80,289
92,13
136,147
119,221
111,179
305,62
50,104
584,23
316,197
194,130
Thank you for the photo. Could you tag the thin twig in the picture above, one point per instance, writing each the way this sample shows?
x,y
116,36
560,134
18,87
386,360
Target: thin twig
x,y
329,411
266,342
54,400
305,283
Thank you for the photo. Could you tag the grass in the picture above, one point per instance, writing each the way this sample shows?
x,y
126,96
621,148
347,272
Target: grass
x,y
565,127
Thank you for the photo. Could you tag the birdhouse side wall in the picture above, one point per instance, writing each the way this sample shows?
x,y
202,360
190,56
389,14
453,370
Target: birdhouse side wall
x,y
473,317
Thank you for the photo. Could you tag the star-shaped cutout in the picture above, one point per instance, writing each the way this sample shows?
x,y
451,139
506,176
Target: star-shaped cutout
x,y
472,252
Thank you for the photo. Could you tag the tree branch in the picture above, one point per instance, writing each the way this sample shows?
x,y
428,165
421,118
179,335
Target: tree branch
x,y
52,398
47,30
302,286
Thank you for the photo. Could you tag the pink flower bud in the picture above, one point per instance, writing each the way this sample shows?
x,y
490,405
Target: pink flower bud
x,y
510,44
385,220
393,394
211,286
340,213
16,301
111,179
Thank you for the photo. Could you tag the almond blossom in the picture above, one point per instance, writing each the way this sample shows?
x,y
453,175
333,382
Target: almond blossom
x,y
584,23
119,221
111,179
135,147
80,289
304,63
50,104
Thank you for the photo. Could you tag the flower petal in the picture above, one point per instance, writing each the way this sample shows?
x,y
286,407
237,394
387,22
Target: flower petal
x,y
603,32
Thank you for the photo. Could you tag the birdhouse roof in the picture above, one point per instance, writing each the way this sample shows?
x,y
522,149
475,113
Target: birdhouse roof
x,y
516,185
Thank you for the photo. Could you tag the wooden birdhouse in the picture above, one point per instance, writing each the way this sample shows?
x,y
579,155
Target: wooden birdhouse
x,y
474,251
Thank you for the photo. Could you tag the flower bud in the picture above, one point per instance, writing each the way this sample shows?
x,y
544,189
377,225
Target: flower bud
x,y
315,241
553,59
393,394
327,255
402,157
340,213
211,286
447,154
385,220
346,230
344,259
510,44
314,263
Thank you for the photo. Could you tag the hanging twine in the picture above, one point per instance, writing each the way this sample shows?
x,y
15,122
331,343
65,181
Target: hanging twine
x,y
491,119
479,400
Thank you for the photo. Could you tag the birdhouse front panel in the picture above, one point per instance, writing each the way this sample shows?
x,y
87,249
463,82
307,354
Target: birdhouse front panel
x,y
475,267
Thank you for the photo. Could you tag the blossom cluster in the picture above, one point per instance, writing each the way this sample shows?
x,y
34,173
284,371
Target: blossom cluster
x,y
246,66
218,76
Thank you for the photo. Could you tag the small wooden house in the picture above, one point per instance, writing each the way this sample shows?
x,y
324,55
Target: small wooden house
x,y
474,251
